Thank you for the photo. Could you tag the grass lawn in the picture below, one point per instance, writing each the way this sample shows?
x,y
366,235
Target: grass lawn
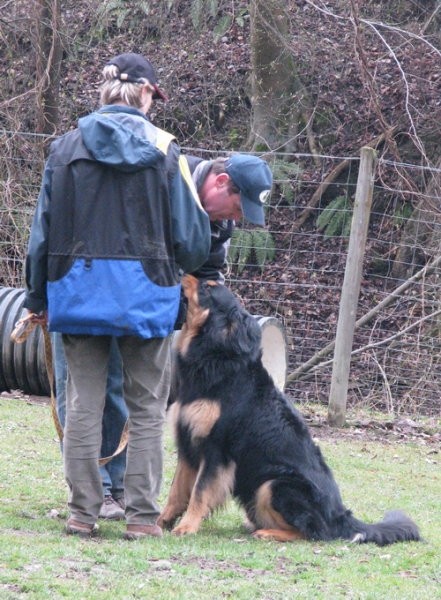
x,y
38,561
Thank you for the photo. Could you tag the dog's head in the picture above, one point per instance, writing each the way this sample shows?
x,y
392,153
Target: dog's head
x,y
217,322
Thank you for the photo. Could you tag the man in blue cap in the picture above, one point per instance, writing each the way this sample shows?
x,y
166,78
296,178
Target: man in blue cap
x,y
229,189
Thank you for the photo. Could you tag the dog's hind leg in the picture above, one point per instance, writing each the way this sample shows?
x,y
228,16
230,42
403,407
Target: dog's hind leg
x,y
211,490
270,523
179,495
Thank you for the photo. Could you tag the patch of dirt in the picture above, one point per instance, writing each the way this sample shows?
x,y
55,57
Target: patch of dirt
x,y
401,430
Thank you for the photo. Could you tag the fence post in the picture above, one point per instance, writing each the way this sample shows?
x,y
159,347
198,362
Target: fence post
x,y
351,289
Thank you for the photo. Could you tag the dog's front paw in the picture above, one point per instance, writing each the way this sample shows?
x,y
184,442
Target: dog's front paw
x,y
185,529
278,535
263,534
166,521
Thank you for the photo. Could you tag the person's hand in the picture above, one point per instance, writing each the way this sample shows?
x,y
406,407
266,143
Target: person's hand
x,y
24,326
39,318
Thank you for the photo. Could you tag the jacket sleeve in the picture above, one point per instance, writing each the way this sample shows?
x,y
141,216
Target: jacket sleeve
x,y
216,263
191,224
36,258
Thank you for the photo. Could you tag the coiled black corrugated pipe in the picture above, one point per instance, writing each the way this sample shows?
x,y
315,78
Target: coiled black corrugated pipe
x,y
23,366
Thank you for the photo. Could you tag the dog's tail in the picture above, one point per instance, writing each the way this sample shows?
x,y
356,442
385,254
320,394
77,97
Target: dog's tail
x,y
395,527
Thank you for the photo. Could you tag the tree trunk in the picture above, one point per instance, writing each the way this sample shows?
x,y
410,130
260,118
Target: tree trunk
x,y
421,236
48,61
277,94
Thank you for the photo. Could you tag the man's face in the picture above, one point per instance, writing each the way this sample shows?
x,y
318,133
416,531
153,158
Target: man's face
x,y
216,199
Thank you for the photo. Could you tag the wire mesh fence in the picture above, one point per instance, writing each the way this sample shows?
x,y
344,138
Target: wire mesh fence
x,y
294,270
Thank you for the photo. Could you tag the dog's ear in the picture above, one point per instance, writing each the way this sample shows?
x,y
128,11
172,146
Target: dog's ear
x,y
243,335
190,286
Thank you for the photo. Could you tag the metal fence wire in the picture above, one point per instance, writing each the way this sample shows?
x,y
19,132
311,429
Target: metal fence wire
x,y
294,269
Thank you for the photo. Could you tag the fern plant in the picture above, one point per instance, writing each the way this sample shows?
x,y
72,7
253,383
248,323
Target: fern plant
x,y
202,10
401,213
246,245
117,11
335,219
284,173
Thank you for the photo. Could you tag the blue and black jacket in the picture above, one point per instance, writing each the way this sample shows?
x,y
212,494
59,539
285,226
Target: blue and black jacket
x,y
118,220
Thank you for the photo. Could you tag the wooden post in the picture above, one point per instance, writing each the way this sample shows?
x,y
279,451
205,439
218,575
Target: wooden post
x,y
351,289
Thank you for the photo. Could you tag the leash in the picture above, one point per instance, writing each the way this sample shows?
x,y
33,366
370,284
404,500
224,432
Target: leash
x,y
22,330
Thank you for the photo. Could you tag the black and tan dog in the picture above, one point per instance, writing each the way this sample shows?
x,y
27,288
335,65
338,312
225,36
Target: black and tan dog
x,y
238,435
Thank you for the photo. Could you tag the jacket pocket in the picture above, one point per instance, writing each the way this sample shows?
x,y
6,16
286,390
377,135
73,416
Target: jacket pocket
x,y
111,297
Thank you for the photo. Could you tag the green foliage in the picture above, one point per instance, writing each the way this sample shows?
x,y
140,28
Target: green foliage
x,y
284,173
118,12
242,16
223,25
402,213
234,138
264,247
248,244
336,218
201,11
240,248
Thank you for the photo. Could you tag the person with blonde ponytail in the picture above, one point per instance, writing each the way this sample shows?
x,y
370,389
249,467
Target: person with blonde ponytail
x,y
117,222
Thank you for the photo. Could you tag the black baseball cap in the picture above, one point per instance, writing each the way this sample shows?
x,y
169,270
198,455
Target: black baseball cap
x,y
134,68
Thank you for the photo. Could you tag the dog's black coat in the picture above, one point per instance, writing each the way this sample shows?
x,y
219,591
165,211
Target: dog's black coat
x,y
254,435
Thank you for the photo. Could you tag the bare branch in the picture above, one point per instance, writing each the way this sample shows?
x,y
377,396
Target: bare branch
x,y
10,101
6,4
324,10
417,140
403,32
387,340
312,363
430,19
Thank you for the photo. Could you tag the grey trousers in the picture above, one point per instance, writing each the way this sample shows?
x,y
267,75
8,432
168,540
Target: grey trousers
x,y
146,370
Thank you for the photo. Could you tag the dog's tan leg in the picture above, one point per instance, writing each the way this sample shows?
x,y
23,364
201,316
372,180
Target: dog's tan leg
x,y
179,495
279,535
270,523
206,497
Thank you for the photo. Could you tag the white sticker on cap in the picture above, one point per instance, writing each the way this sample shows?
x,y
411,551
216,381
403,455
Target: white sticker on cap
x,y
264,195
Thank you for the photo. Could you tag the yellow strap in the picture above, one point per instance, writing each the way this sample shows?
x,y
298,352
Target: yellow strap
x,y
185,172
163,140
162,143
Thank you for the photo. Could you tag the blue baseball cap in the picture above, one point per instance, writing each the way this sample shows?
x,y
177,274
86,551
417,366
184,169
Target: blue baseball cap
x,y
254,179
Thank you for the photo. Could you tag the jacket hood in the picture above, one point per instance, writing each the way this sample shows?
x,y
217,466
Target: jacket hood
x,y
120,137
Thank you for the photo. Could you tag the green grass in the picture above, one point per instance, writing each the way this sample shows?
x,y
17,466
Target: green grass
x,y
38,561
